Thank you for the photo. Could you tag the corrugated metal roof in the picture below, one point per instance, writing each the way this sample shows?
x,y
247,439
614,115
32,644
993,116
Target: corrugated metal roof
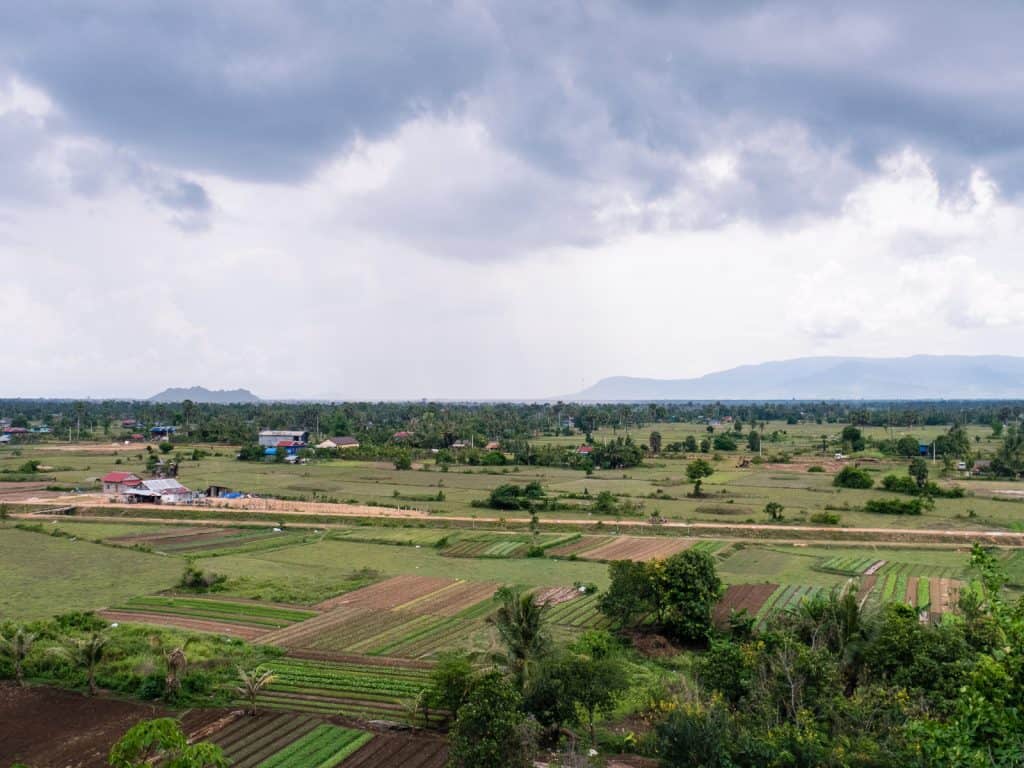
x,y
168,485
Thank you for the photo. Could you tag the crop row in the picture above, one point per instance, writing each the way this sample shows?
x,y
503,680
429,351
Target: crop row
x,y
924,593
580,612
706,545
920,569
323,747
212,608
849,566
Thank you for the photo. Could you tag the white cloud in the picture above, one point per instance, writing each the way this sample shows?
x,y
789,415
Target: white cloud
x,y
299,290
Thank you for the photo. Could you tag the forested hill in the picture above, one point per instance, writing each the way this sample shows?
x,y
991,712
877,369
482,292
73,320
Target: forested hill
x,y
921,377
204,395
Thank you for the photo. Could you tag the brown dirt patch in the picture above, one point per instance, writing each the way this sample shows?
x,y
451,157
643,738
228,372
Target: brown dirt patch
x,y
230,629
739,597
555,595
653,646
50,728
638,548
910,595
388,594
408,750
867,583
580,545
449,601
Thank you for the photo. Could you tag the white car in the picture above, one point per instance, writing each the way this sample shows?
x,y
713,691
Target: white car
x,y
839,457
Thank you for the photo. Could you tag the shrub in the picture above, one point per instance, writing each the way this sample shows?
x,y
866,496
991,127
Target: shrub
x,y
816,468
825,518
166,447
196,580
852,477
914,506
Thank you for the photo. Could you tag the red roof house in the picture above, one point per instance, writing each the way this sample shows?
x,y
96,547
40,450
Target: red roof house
x,y
117,482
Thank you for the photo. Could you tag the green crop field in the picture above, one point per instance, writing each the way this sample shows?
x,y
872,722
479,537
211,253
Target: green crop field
x,y
353,689
324,747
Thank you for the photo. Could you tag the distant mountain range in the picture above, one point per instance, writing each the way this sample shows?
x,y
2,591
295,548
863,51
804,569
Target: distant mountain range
x,y
204,395
921,377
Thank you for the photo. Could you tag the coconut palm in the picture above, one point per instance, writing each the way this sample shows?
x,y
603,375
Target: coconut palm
x,y
176,664
253,683
85,653
16,648
520,623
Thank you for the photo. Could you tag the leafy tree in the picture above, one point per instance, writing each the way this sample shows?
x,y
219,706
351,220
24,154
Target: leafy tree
x,y
162,742
689,587
253,682
596,674
16,649
853,437
908,446
690,444
1009,459
520,624
86,654
696,471
918,470
774,510
853,477
724,442
630,594
954,443
491,729
403,460
654,441
451,681
754,440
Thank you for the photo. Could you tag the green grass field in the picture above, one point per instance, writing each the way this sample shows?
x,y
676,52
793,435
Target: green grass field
x,y
43,575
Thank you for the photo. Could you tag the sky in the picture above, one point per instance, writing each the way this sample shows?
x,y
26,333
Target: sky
x,y
387,200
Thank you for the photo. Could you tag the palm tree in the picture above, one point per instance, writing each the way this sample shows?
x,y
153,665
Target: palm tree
x,y
253,683
16,648
85,653
520,623
176,661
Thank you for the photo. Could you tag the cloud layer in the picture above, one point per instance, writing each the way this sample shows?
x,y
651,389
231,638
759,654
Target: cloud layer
x,y
499,199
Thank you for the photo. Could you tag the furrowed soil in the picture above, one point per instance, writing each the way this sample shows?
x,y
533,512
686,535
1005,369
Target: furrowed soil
x,y
50,728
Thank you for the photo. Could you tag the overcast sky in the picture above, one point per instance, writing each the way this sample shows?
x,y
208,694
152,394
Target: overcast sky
x,y
499,199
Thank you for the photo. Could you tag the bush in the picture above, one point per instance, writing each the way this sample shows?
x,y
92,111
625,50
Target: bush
x,y
913,506
195,580
166,447
852,477
816,468
825,518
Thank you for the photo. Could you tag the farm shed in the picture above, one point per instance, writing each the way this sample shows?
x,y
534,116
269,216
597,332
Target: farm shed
x,y
271,438
117,482
161,491
339,442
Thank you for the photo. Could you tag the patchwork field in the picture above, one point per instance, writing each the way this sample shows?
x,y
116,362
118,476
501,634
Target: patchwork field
x,y
636,548
369,689
404,617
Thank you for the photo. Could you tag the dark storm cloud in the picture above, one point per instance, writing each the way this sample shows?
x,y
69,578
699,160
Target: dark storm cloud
x,y
607,95
260,90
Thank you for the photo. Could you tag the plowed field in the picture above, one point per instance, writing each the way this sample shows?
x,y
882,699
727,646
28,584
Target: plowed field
x,y
636,548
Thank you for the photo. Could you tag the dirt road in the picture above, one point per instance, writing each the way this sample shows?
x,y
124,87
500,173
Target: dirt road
x,y
287,509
